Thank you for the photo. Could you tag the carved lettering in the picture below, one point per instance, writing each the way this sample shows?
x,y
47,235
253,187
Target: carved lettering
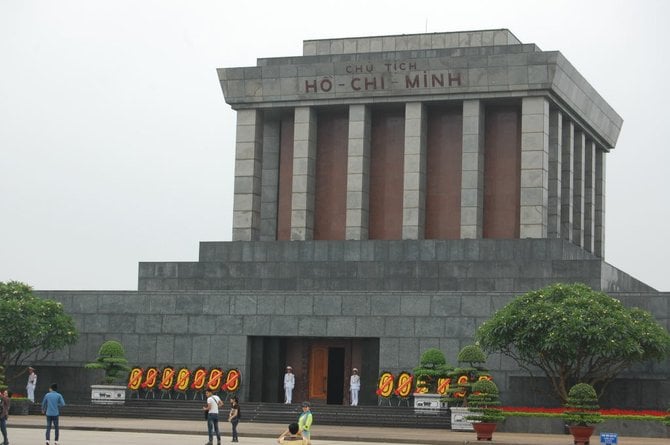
x,y
409,83
456,78
310,86
326,85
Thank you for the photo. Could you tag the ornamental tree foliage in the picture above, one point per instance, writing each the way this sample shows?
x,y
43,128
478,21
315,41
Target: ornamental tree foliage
x,y
574,334
433,366
31,328
111,359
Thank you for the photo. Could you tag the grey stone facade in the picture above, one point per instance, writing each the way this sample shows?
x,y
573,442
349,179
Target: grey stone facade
x,y
216,328
257,303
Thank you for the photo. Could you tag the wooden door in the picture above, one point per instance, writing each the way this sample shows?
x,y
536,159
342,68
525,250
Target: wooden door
x,y
318,373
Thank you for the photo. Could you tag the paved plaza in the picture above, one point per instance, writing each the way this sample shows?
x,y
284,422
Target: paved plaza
x,y
103,431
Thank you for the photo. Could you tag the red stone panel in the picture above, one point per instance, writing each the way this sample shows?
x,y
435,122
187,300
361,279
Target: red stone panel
x,y
443,180
285,178
387,146
502,172
330,201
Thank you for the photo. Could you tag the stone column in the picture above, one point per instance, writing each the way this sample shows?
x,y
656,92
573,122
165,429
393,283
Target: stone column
x,y
555,176
534,167
589,194
358,173
578,190
472,180
248,162
414,181
567,178
270,180
599,234
304,165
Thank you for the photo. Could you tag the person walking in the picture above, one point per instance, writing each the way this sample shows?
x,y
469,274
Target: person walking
x,y
51,404
4,413
212,409
305,424
354,386
289,384
32,384
234,416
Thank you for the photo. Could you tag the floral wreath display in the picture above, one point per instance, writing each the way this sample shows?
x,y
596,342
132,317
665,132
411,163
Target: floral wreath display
x,y
167,379
232,382
385,385
404,385
183,380
135,378
150,378
443,384
214,379
421,386
199,379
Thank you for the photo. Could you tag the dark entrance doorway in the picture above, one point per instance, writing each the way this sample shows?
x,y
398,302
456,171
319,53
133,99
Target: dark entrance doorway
x,y
322,367
335,376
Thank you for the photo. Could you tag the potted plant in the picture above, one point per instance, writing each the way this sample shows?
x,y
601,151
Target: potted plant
x,y
582,412
432,369
484,404
111,359
471,370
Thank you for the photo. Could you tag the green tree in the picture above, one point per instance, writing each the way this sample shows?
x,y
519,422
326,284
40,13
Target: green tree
x,y
111,359
433,365
31,328
573,334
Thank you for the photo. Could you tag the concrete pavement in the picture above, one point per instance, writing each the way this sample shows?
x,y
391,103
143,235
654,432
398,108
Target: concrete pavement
x,y
96,430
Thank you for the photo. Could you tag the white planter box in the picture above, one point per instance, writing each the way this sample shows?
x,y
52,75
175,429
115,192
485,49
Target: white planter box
x,y
429,402
458,419
108,394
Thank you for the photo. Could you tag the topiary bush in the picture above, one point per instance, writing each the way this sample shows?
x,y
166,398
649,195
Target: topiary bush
x,y
472,354
111,359
484,402
463,377
582,406
433,365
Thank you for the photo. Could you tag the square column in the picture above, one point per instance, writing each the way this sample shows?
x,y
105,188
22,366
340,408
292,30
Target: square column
x,y
304,166
578,190
414,181
358,173
472,180
270,180
248,162
589,194
534,167
567,178
599,226
555,174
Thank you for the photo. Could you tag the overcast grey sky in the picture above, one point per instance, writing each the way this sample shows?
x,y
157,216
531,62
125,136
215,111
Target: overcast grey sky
x,y
116,145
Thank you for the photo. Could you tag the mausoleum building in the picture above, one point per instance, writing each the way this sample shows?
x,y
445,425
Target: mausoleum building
x,y
390,194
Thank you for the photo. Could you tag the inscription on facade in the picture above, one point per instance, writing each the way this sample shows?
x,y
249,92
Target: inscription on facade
x,y
364,77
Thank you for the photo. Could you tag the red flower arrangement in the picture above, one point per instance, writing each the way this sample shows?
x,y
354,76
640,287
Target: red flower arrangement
x,y
611,413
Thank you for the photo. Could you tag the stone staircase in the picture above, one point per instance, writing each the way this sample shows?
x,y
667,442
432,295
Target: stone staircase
x,y
391,416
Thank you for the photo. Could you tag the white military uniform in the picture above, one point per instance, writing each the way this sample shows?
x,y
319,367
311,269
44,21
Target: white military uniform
x,y
289,384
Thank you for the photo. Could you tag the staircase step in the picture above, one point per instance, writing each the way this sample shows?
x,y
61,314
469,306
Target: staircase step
x,y
260,412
